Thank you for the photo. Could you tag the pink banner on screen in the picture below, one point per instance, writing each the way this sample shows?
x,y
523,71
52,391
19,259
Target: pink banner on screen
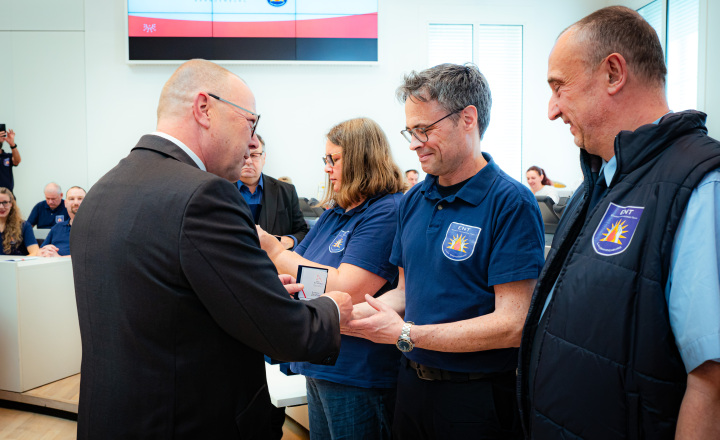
x,y
163,27
353,26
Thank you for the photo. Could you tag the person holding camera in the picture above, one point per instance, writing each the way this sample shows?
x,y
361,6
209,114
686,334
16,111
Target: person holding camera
x,y
8,160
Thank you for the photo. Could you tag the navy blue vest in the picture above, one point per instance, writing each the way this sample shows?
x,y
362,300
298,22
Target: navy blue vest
x,y
606,364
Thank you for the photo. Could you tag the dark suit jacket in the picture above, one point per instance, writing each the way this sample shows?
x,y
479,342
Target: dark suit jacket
x,y
280,213
177,303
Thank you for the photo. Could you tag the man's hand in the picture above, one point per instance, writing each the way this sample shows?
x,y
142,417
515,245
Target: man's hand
x,y
287,242
383,327
8,136
344,302
290,285
49,250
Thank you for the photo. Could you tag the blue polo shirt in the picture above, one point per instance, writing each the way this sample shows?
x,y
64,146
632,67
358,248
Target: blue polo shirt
x,y
59,236
254,200
362,237
44,217
28,239
455,249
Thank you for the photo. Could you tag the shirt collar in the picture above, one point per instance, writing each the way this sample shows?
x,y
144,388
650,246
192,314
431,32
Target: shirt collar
x,y
474,190
183,147
609,168
360,208
241,185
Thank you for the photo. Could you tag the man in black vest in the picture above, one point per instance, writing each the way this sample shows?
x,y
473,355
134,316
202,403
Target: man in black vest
x,y
621,339
274,204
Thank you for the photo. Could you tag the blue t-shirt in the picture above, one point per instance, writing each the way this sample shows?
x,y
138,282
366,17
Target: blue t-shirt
x,y
59,236
455,249
28,239
44,217
362,237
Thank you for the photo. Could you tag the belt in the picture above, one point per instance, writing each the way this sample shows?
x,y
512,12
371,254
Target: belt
x,y
429,373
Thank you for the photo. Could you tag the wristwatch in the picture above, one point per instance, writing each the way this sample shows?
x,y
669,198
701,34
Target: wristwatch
x,y
404,343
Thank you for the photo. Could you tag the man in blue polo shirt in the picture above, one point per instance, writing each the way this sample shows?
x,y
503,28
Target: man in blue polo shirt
x,y
469,247
57,242
50,211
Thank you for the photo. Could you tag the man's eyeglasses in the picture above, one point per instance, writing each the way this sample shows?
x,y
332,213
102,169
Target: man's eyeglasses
x,y
328,159
256,156
8,203
420,133
253,122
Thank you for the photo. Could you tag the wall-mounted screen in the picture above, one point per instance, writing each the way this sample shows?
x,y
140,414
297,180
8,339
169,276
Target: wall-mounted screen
x,y
246,30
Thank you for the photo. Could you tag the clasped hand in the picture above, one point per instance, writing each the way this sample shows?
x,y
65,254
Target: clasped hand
x,y
375,321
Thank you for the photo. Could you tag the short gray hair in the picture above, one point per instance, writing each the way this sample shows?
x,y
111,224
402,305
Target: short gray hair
x,y
53,187
617,29
453,86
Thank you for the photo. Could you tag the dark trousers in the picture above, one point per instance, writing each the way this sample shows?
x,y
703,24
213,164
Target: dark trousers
x,y
476,409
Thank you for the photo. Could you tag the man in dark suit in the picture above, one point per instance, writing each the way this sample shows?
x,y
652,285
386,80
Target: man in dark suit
x,y
176,300
274,204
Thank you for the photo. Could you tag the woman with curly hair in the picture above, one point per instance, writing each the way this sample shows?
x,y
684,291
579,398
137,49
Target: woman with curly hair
x,y
16,235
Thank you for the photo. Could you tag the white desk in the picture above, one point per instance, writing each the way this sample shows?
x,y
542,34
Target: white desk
x,y
39,331
285,390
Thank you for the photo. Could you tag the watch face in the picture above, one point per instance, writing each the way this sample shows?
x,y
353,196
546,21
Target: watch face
x,y
404,345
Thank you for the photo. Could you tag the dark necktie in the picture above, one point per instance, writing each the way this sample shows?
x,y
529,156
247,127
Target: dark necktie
x,y
599,191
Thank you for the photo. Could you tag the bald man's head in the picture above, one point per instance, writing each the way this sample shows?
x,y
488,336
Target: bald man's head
x,y
189,79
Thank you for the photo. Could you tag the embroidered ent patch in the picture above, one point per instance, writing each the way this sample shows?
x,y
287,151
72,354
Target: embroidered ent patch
x,y
338,243
460,240
616,229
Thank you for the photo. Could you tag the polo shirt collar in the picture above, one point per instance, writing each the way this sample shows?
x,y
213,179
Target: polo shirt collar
x,y
358,209
474,190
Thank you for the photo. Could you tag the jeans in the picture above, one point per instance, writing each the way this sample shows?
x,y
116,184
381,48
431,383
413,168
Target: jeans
x,y
339,411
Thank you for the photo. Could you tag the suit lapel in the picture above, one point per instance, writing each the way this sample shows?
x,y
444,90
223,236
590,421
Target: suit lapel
x,y
269,203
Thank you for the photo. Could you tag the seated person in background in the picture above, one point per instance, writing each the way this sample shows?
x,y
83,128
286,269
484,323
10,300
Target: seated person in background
x,y
411,176
285,179
16,235
50,211
355,398
540,184
57,242
274,204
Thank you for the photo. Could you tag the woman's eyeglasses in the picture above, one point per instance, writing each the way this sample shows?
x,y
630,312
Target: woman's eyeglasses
x,y
328,159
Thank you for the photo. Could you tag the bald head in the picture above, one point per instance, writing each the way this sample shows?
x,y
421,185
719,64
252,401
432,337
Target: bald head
x,y
189,79
52,188
53,195
212,112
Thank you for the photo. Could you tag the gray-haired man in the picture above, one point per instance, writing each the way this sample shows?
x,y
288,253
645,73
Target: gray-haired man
x,y
469,246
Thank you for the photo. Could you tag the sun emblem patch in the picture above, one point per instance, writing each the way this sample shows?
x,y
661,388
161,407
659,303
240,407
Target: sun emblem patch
x,y
338,243
460,240
616,229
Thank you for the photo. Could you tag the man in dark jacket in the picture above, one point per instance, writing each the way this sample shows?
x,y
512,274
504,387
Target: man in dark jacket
x,y
274,204
176,300
621,339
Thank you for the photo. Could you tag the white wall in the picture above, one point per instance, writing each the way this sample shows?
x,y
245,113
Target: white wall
x,y
78,107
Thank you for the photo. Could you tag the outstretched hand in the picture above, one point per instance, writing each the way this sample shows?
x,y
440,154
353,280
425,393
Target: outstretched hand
x,y
383,327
